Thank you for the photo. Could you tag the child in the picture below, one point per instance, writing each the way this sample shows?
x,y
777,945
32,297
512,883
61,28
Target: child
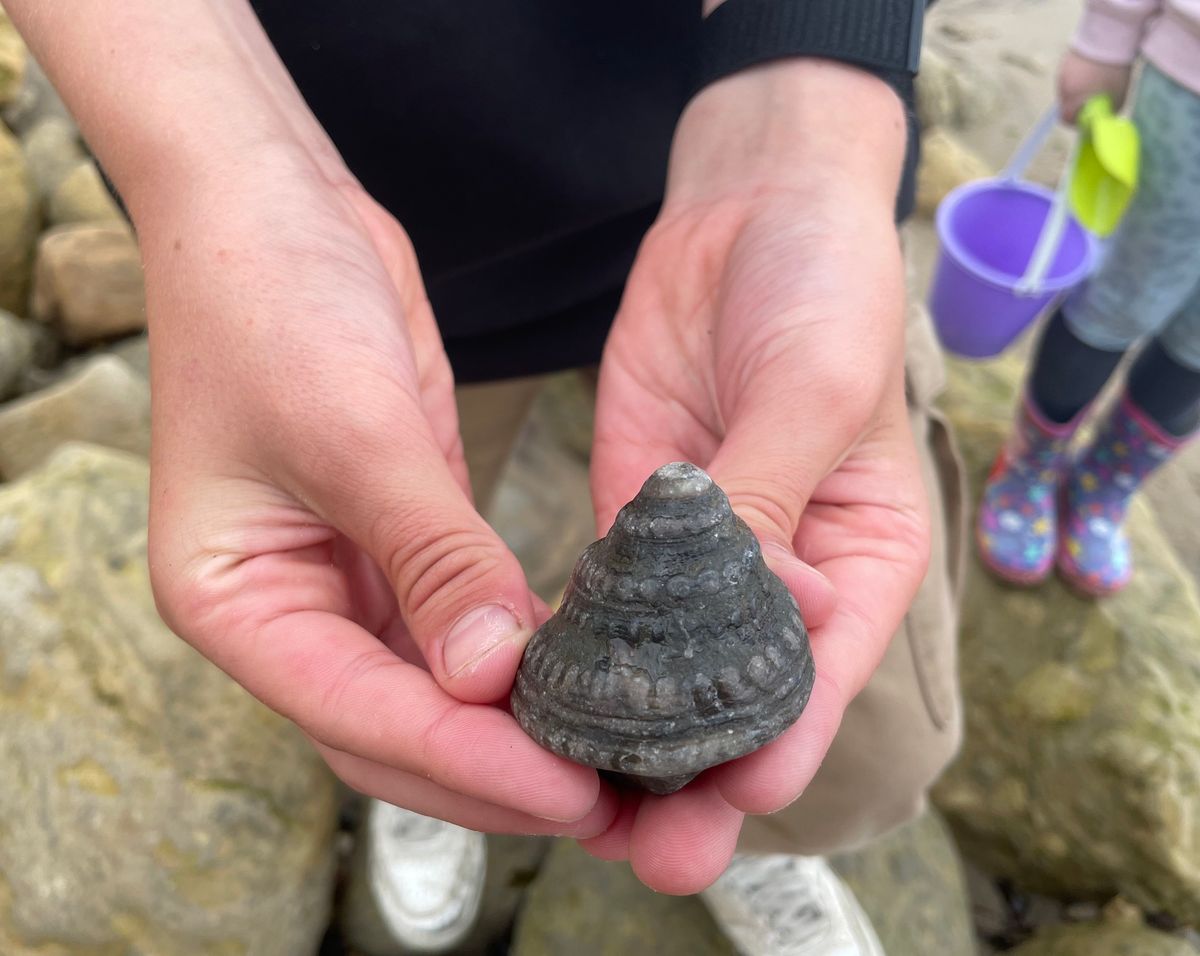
x,y
1038,504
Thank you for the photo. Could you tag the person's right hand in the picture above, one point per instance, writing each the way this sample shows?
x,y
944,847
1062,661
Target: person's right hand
x,y
1079,79
311,527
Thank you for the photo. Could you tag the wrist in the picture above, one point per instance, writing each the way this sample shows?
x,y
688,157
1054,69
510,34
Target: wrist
x,y
804,124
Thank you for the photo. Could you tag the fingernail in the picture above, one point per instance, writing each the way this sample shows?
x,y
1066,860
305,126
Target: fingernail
x,y
791,564
773,551
476,634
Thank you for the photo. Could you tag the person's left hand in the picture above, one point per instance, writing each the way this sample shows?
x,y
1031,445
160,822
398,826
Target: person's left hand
x,y
761,337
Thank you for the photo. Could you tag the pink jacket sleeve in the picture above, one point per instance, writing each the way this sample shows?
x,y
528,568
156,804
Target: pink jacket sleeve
x,y
1111,30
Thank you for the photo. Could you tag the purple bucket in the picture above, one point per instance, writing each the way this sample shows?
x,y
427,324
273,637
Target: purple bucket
x,y
988,230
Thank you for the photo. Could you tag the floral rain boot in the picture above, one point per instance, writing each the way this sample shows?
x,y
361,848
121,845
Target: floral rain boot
x,y
1094,551
1018,516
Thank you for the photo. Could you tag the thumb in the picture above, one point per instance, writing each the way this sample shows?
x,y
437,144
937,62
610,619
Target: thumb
x,y
461,591
768,510
769,465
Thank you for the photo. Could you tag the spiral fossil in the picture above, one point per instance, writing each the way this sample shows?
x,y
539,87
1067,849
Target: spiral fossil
x,y
675,647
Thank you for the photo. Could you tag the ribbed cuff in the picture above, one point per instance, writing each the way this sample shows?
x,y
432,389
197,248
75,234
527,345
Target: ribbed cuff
x,y
1107,38
883,36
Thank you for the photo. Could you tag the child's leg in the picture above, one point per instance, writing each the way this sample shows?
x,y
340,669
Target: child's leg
x,y
1151,269
1153,263
1168,388
1160,409
1068,373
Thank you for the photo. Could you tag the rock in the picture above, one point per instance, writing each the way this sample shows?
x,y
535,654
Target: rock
x,y
1174,491
18,225
83,197
1078,774
135,351
53,150
945,164
951,92
106,402
88,282
513,863
586,907
911,885
567,407
1100,939
149,804
14,58
990,911
936,87
34,101
542,507
18,347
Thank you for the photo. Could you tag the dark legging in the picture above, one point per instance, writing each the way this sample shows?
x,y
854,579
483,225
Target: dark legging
x,y
1069,373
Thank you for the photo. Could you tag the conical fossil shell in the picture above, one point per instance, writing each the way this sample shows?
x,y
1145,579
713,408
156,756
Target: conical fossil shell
x,y
675,648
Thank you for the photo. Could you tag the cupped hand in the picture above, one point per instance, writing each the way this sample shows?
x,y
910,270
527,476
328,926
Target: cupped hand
x,y
312,531
1079,79
761,337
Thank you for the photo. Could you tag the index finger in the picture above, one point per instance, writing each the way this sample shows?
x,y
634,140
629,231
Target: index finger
x,y
347,690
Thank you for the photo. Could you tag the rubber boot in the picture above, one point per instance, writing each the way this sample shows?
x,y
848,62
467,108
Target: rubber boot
x,y
1017,529
1094,555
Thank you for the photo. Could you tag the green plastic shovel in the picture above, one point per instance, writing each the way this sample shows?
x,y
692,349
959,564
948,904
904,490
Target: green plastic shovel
x,y
1106,170
1097,182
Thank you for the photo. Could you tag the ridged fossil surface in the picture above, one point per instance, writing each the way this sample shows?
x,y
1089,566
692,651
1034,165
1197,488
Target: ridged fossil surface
x,y
675,648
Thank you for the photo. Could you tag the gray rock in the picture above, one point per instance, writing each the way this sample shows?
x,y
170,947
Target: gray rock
x,y
946,163
14,60
134,351
19,219
106,403
936,87
1077,776
567,407
951,91
989,909
911,885
543,506
35,100
1101,939
586,907
83,197
52,149
88,282
149,804
513,863
18,349
1174,491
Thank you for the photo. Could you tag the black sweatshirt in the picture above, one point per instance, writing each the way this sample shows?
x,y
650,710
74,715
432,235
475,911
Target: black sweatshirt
x,y
522,144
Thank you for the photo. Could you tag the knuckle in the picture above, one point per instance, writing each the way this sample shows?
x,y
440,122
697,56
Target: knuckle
x,y
183,599
432,567
433,741
764,507
326,721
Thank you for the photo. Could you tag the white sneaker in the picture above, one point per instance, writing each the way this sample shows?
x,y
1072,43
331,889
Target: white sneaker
x,y
789,906
426,877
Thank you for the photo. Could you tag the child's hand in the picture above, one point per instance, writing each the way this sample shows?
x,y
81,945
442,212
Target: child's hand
x,y
1079,79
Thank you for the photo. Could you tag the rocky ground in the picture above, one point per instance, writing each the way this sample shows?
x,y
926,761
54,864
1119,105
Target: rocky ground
x,y
151,806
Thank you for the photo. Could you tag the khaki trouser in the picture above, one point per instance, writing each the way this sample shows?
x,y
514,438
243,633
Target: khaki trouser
x,y
904,727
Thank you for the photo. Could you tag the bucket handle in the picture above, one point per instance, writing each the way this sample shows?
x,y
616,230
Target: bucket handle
x,y
1055,222
1030,146
1053,228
